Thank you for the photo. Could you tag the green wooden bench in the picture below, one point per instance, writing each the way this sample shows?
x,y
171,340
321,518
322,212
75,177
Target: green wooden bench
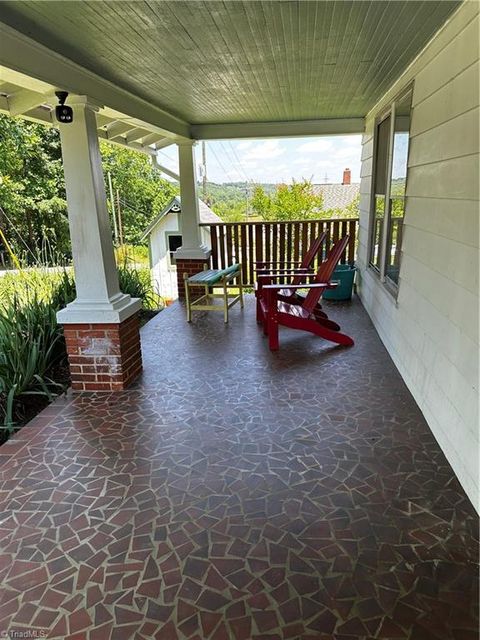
x,y
228,278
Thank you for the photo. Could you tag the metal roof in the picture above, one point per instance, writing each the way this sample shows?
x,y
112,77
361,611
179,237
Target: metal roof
x,y
337,196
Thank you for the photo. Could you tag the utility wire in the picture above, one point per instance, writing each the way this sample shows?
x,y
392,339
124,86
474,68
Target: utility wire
x,y
234,164
238,160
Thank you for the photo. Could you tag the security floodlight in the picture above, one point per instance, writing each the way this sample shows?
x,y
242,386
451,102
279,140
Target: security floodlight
x,y
63,113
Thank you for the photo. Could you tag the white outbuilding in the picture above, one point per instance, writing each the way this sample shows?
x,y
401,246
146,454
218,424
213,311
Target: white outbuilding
x,y
164,238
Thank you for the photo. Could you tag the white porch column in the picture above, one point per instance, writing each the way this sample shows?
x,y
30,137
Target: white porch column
x,y
99,299
192,247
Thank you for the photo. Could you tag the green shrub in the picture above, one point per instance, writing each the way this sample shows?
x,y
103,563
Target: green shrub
x,y
31,343
138,284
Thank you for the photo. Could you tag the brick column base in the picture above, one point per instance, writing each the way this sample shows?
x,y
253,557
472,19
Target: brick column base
x,y
104,357
190,267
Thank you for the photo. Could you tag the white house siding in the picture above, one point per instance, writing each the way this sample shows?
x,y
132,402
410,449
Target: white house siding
x,y
164,275
431,331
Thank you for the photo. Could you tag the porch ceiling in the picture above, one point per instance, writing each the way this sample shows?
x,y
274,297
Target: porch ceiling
x,y
239,62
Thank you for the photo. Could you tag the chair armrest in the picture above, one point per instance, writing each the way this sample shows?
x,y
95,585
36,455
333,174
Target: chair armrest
x,y
268,271
304,285
286,272
277,262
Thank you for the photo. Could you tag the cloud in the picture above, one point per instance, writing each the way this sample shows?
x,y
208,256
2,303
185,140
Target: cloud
x,y
315,146
347,152
262,150
245,145
278,160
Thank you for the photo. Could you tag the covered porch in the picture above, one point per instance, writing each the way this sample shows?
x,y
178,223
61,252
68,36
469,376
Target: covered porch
x,y
225,492
236,494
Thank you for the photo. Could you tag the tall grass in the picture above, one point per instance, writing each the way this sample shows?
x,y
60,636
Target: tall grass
x,y
31,343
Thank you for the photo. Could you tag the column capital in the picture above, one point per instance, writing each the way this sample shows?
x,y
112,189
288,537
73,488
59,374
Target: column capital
x,y
75,100
186,142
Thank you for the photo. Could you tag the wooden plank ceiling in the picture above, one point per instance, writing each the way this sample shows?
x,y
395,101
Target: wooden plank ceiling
x,y
219,62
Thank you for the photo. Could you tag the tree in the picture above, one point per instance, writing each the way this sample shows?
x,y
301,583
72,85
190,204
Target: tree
x,y
289,202
229,200
142,190
261,202
33,208
32,192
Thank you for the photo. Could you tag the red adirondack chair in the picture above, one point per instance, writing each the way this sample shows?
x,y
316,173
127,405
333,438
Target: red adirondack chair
x,y
266,275
302,313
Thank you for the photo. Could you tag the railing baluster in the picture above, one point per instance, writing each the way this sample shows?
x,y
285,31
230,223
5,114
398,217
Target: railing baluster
x,y
244,251
268,242
221,233
305,243
229,244
352,229
274,242
258,243
236,244
251,258
296,240
214,240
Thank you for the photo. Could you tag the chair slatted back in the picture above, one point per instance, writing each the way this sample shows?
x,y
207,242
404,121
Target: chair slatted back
x,y
310,256
325,272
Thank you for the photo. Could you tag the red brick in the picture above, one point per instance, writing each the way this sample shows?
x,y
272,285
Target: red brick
x,y
115,357
190,267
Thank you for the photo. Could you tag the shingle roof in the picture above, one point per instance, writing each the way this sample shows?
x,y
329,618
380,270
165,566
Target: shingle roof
x,y
337,196
206,214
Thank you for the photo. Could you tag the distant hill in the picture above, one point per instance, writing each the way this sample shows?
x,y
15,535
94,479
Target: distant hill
x,y
230,200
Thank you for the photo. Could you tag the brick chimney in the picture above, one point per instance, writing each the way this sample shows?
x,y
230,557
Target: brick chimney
x,y
347,176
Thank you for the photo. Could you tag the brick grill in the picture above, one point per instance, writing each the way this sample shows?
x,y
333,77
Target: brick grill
x,y
190,267
104,357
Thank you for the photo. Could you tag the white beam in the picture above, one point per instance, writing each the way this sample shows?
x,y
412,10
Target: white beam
x,y
153,138
117,128
136,134
163,143
10,76
25,100
121,142
38,114
102,121
293,128
163,169
26,56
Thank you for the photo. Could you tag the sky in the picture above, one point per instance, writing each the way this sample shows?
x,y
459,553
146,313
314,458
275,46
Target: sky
x,y
320,159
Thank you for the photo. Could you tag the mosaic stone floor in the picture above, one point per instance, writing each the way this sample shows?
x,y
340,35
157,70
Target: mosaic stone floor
x,y
236,494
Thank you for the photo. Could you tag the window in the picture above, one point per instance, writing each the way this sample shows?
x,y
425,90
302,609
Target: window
x,y
380,189
390,178
174,241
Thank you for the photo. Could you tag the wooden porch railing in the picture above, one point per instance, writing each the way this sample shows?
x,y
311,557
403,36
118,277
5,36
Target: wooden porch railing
x,y
250,242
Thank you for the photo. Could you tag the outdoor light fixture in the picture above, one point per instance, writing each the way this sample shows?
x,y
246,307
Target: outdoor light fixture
x,y
63,113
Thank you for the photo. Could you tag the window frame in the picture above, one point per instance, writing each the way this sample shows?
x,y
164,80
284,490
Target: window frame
x,y
172,264
390,110
387,112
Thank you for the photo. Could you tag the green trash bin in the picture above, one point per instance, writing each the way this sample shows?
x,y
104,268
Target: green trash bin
x,y
344,274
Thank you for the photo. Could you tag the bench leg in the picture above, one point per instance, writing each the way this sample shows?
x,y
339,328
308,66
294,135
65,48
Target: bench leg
x,y
240,282
187,298
225,301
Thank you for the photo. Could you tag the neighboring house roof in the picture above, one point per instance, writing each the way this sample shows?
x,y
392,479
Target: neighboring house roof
x,y
337,196
207,216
